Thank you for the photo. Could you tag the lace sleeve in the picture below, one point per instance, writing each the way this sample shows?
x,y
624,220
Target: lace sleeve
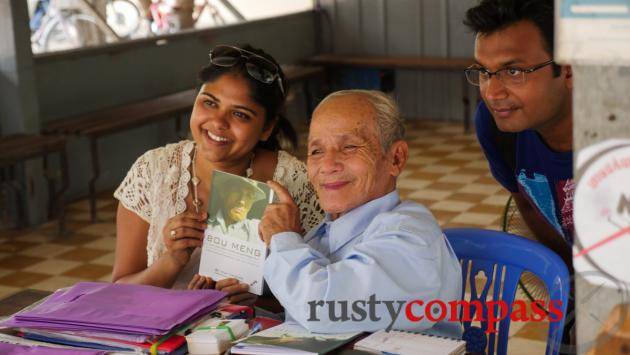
x,y
291,173
135,190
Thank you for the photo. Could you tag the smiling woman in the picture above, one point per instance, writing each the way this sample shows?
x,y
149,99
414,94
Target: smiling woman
x,y
235,125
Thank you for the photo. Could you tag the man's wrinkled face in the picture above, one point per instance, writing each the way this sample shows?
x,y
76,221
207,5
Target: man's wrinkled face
x,y
346,162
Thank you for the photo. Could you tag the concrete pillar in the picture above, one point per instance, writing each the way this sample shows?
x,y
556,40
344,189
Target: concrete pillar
x,y
18,102
601,110
19,111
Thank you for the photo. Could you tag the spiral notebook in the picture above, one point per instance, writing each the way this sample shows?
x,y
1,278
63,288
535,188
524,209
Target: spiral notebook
x,y
408,343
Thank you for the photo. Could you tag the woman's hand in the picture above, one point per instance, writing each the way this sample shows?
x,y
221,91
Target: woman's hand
x,y
199,282
237,292
182,234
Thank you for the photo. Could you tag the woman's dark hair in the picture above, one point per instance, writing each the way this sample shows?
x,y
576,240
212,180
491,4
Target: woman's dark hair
x,y
269,96
495,15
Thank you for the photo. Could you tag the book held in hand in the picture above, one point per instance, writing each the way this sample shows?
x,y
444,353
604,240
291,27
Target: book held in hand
x,y
291,338
410,343
232,247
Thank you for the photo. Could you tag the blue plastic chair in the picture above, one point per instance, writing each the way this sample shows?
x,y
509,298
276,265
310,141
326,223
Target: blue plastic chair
x,y
504,256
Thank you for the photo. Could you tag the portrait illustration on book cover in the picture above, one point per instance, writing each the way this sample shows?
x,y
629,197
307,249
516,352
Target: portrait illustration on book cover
x,y
232,247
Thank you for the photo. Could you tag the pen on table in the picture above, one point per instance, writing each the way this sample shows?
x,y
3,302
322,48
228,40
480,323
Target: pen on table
x,y
256,328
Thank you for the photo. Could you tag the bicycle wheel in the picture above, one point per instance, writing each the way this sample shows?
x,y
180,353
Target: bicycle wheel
x,y
72,31
123,16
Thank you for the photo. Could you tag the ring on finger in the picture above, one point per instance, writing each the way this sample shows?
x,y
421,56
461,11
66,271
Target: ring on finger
x,y
173,233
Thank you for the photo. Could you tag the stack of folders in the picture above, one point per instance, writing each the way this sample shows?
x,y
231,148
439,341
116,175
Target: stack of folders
x,y
409,343
116,317
19,349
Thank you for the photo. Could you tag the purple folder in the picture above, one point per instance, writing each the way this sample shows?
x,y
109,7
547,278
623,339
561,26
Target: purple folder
x,y
118,308
14,349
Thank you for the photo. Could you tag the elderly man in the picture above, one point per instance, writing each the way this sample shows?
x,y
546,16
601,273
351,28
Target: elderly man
x,y
375,261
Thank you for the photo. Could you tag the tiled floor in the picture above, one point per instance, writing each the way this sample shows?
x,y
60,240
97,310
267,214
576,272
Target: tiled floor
x,y
446,172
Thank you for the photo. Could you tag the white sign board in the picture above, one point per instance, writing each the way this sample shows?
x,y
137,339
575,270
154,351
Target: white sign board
x,y
602,211
593,32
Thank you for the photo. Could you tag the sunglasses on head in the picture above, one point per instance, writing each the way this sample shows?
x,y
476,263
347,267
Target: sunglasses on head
x,y
257,67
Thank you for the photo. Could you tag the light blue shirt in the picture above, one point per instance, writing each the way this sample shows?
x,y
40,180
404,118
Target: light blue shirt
x,y
393,250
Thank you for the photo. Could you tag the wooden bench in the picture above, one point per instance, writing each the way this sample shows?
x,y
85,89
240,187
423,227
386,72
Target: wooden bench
x,y
18,148
100,123
403,62
94,125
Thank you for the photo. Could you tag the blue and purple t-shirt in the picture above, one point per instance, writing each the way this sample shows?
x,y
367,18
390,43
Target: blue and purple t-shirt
x,y
542,176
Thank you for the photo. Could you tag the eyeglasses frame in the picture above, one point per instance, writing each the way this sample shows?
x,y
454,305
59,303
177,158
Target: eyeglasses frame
x,y
490,74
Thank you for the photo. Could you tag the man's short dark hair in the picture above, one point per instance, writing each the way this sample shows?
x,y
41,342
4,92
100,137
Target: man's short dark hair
x,y
495,15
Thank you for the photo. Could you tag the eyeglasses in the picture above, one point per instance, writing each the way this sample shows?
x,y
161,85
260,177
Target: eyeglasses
x,y
259,68
508,76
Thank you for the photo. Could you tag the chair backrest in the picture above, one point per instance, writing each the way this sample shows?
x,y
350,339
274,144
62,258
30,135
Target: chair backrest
x,y
503,257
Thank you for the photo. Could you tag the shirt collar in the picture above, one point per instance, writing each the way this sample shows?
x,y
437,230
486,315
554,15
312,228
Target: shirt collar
x,y
218,217
354,222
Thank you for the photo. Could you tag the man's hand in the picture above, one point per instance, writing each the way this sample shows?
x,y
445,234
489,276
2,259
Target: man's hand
x,y
279,217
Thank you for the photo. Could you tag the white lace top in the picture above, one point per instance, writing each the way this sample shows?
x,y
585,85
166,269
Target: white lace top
x,y
156,186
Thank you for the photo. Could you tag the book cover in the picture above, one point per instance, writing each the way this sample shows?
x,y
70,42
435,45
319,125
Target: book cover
x,y
232,247
408,343
291,336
